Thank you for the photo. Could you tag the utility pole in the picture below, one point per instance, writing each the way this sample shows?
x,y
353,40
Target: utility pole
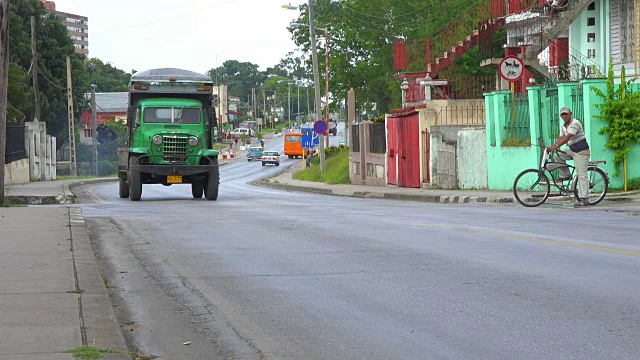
x,y
94,129
264,108
326,78
34,54
298,108
316,81
73,168
4,81
36,91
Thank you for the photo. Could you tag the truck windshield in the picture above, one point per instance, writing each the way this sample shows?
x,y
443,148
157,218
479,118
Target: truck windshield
x,y
172,115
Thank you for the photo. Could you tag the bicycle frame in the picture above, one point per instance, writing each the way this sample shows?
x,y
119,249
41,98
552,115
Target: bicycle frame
x,y
564,190
532,186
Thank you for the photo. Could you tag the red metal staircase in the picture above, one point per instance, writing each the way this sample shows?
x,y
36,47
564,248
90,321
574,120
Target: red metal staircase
x,y
456,51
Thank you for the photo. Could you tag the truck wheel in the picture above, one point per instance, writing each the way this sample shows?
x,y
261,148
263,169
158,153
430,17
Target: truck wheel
x,y
197,190
212,184
135,181
123,188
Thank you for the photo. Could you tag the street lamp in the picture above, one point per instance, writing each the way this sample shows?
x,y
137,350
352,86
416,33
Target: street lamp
x,y
326,77
264,112
316,76
288,81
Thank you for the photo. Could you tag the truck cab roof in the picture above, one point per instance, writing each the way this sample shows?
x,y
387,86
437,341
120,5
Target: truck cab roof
x,y
170,74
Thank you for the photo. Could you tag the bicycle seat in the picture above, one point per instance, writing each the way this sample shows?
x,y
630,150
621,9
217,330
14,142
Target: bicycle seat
x,y
596,162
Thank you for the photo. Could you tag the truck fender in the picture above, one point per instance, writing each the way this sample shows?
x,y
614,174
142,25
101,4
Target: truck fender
x,y
208,152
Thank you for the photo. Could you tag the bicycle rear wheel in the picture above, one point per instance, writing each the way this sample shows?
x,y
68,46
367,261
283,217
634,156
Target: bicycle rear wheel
x,y
531,188
598,184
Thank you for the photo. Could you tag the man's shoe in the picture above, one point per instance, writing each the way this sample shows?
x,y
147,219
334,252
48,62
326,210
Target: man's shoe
x,y
582,202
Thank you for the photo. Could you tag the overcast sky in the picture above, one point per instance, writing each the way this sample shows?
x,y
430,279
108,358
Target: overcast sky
x,y
195,35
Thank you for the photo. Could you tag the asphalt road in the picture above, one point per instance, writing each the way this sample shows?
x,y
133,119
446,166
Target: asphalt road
x,y
269,274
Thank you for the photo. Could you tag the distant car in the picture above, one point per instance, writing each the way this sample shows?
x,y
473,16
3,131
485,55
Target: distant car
x,y
237,133
333,128
270,157
255,153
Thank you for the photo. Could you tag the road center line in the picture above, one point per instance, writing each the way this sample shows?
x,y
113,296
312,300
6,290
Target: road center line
x,y
529,238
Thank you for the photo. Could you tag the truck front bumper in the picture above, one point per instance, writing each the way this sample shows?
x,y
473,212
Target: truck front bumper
x,y
174,169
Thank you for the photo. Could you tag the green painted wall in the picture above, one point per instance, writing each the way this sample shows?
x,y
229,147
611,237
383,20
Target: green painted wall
x,y
505,162
593,125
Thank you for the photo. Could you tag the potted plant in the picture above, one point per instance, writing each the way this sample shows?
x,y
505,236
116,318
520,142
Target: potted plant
x,y
243,142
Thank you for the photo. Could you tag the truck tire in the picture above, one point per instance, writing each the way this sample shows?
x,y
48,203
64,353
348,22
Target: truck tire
x,y
212,184
135,181
197,190
123,188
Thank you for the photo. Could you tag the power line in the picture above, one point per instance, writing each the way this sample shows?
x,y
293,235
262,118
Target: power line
x,y
386,17
162,21
52,83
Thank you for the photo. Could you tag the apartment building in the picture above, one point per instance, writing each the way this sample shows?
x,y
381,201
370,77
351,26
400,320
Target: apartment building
x,y
77,27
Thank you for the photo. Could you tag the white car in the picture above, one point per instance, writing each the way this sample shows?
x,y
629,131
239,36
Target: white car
x,y
270,157
237,133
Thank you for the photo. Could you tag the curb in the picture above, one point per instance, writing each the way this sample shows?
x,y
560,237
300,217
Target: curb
x,y
442,199
99,325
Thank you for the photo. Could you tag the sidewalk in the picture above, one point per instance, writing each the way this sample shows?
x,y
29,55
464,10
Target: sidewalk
x,y
52,295
284,181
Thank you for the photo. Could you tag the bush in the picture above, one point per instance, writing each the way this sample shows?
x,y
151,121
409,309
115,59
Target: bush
x,y
633,184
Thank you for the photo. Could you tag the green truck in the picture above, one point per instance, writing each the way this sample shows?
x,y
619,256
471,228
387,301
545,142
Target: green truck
x,y
170,119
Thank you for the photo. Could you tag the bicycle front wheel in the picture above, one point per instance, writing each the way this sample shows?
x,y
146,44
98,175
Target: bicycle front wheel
x,y
598,185
531,188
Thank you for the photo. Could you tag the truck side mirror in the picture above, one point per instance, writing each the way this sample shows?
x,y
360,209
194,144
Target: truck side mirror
x,y
211,113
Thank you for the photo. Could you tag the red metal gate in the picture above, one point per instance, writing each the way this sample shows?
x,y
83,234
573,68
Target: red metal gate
x,y
392,150
403,167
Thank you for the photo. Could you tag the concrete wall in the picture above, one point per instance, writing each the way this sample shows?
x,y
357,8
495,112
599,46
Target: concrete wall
x,y
16,172
472,158
376,170
465,162
367,168
41,149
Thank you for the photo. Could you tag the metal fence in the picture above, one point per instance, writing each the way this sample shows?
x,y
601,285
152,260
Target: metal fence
x,y
355,137
15,147
461,115
377,139
517,123
577,103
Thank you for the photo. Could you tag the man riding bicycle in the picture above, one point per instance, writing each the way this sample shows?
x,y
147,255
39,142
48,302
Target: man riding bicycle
x,y
572,134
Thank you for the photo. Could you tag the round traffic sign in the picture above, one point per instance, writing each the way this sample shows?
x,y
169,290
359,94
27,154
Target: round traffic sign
x,y
511,68
320,127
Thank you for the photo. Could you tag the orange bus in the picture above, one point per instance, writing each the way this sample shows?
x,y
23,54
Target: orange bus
x,y
293,144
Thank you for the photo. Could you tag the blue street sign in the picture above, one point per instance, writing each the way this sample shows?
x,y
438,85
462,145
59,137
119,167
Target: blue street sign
x,y
309,138
320,127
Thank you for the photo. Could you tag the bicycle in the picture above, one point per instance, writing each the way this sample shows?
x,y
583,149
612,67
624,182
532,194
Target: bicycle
x,y
532,186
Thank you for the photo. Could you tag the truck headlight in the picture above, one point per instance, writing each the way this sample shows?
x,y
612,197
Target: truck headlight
x,y
157,140
193,141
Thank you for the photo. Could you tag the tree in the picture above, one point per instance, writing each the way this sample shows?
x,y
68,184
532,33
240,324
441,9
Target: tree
x,y
53,45
240,77
106,77
361,35
620,110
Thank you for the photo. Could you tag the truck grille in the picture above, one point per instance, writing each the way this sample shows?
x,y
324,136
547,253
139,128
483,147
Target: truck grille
x,y
175,148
